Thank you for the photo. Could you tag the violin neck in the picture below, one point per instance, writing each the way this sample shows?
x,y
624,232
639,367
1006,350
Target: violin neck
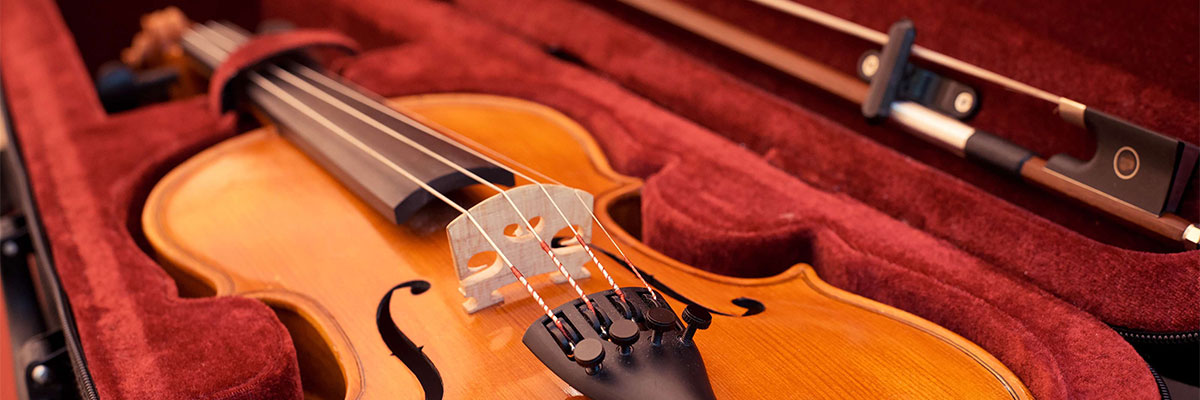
x,y
349,131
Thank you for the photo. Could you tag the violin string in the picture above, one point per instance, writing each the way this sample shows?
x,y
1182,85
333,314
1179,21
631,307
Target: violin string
x,y
312,90
341,87
295,103
233,34
328,99
269,86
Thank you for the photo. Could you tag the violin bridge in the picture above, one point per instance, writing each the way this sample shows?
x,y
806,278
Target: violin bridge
x,y
480,270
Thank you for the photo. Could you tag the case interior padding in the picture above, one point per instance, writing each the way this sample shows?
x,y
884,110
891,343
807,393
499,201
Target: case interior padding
x,y
747,171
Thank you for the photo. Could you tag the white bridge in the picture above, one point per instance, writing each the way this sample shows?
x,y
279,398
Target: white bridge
x,y
480,283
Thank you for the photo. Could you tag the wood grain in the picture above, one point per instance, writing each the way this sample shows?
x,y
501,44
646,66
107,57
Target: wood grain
x,y
254,217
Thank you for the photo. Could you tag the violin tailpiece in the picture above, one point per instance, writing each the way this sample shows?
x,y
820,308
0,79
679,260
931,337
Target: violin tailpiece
x,y
626,350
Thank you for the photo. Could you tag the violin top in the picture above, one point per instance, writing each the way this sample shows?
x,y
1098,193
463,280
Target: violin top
x,y
488,209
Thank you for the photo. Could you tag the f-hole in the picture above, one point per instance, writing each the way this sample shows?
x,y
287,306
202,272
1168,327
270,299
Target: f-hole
x,y
404,349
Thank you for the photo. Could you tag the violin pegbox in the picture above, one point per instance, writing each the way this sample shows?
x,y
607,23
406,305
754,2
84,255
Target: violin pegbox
x,y
480,283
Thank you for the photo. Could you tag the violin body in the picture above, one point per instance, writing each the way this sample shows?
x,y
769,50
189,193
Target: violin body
x,y
255,217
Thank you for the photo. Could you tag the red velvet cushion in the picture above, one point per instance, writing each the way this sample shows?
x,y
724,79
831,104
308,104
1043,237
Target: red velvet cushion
x,y
806,186
89,175
1151,290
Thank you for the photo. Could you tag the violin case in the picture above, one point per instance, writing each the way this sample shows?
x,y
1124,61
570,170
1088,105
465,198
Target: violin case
x,y
747,171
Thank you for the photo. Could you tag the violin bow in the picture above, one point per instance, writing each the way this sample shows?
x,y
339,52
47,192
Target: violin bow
x,y
1061,173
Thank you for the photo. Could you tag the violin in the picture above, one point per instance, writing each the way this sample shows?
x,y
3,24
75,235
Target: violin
x,y
469,246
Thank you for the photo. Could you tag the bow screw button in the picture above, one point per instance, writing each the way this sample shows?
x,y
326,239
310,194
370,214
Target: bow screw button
x,y
624,333
696,318
660,320
588,354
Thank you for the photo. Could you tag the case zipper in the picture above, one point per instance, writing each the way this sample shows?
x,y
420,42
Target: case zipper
x,y
1136,336
1162,385
45,260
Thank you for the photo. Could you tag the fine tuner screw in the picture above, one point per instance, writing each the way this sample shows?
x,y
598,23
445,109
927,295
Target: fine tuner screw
x,y
589,353
624,333
696,318
660,320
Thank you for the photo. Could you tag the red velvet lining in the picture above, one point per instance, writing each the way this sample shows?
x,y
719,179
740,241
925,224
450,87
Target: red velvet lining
x,y
657,112
1152,287
1167,102
794,220
263,48
740,243
140,340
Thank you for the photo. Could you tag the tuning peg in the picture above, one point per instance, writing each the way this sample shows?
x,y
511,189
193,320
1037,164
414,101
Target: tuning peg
x,y
661,320
589,353
696,317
